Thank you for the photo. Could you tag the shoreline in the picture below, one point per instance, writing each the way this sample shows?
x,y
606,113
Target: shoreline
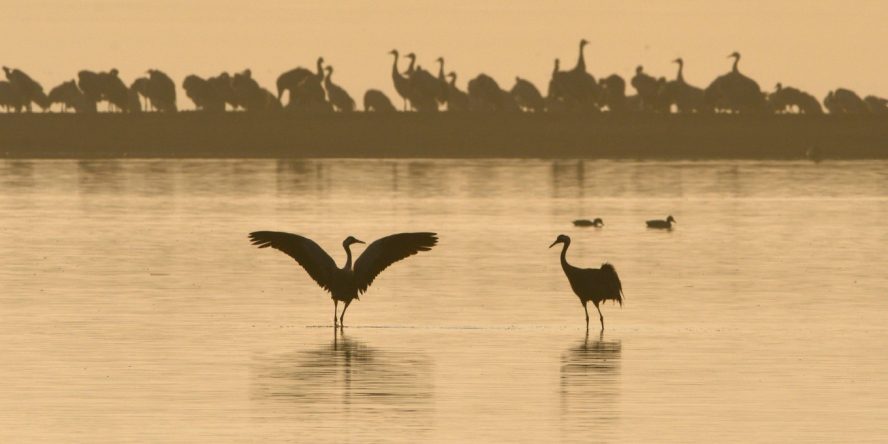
x,y
238,135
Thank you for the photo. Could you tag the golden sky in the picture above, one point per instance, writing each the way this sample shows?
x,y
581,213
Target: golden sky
x,y
816,45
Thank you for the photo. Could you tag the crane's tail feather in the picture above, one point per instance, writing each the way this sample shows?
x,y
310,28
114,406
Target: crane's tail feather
x,y
613,282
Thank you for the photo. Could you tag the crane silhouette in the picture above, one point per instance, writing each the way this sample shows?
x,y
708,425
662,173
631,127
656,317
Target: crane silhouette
x,y
591,284
734,91
685,97
337,95
456,100
662,224
442,87
161,90
376,101
347,282
527,96
423,87
402,84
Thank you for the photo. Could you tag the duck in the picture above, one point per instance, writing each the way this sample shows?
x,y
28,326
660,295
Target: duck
x,y
663,224
588,223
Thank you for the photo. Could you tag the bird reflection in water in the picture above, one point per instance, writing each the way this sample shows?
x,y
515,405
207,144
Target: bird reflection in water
x,y
100,176
347,383
17,174
299,176
590,388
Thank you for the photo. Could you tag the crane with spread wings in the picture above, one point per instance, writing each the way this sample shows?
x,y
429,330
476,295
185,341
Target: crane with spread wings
x,y
345,284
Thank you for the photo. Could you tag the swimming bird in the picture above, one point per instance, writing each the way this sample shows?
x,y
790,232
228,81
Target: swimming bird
x,y
345,283
589,223
591,284
665,224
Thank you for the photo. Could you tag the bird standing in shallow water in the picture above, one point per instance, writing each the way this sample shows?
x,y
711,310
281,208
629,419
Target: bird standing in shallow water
x,y
591,284
345,283
665,224
588,223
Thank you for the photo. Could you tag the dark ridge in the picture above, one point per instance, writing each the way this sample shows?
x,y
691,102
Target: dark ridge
x,y
441,135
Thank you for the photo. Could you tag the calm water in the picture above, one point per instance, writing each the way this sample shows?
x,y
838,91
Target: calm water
x,y
134,309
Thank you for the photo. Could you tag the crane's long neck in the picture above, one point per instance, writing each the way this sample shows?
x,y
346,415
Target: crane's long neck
x,y
395,66
348,261
680,77
736,61
453,80
564,263
441,69
412,61
581,61
320,69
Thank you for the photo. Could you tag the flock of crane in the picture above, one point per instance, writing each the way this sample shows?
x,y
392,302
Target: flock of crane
x,y
314,91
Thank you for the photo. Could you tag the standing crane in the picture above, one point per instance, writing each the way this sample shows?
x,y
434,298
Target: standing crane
x,y
402,83
591,284
345,283
337,95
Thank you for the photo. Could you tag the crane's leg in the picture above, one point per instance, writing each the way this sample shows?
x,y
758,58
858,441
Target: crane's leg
x,y
335,309
600,317
587,316
342,316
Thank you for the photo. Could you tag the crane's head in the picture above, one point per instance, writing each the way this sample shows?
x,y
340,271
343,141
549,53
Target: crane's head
x,y
411,56
639,69
394,52
440,60
598,222
350,240
583,43
562,239
670,219
735,54
678,60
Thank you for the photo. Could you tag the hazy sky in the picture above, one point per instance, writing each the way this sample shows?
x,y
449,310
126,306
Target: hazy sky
x,y
816,45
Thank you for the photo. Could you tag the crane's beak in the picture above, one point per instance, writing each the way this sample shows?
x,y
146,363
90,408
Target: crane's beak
x,y
553,243
359,242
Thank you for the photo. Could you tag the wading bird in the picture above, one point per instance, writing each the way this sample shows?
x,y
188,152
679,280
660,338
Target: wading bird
x,y
589,223
591,284
665,224
345,283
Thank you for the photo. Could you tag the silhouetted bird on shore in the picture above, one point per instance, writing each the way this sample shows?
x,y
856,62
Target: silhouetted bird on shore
x,y
527,96
376,101
337,95
456,100
28,89
10,98
845,101
589,223
345,283
161,90
734,92
591,284
664,224
402,83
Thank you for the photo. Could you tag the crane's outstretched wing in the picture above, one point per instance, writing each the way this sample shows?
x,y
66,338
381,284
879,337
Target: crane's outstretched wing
x,y
386,251
319,265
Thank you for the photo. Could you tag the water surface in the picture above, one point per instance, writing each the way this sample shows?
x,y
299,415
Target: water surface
x,y
135,310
